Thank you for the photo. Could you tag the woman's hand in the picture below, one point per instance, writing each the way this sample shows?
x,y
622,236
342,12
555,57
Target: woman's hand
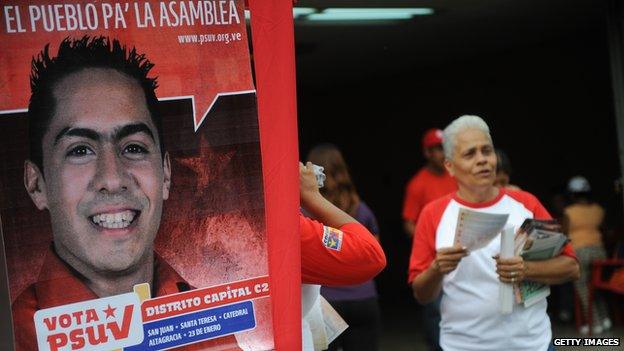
x,y
510,270
447,259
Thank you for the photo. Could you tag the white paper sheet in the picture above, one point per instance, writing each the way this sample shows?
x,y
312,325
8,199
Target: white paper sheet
x,y
476,229
506,294
334,324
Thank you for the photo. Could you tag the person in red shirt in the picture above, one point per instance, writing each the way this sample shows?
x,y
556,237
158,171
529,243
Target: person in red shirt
x,y
431,182
98,166
336,250
357,304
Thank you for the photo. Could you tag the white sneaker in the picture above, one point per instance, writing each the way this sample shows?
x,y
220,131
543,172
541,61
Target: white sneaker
x,y
606,324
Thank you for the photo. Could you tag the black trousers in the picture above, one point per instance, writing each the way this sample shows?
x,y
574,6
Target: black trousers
x,y
364,319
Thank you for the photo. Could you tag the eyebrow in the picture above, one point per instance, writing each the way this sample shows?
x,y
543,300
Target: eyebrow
x,y
78,132
130,129
118,133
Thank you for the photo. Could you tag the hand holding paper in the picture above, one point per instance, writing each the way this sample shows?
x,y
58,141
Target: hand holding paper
x,y
448,258
510,270
535,241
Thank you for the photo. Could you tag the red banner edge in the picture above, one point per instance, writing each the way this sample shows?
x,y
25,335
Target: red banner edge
x,y
274,62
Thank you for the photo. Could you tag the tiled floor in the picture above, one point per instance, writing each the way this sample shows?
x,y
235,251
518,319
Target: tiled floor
x,y
403,330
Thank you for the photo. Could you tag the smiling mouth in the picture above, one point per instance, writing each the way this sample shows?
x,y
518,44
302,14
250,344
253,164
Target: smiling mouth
x,y
115,220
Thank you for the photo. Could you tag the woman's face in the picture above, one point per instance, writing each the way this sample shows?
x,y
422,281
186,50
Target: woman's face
x,y
474,161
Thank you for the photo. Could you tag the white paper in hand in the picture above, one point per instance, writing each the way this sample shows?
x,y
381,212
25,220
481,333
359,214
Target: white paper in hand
x,y
334,324
506,295
325,324
476,229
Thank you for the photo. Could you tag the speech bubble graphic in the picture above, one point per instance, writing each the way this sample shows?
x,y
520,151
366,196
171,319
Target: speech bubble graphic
x,y
199,48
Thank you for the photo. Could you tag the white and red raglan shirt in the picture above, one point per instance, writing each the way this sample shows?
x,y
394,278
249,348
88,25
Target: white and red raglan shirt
x,y
471,319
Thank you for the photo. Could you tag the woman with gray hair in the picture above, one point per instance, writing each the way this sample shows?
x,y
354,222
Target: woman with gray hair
x,y
469,281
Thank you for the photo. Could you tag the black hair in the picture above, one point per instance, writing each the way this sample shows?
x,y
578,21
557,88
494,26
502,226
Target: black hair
x,y
503,163
75,55
581,196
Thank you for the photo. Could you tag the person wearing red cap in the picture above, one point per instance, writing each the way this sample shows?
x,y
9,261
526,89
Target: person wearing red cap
x,y
430,183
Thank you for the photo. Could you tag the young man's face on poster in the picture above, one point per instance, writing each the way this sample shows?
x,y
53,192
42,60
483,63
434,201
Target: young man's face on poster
x,y
85,114
104,177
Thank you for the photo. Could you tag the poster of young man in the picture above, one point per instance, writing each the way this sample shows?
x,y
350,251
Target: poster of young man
x,y
132,203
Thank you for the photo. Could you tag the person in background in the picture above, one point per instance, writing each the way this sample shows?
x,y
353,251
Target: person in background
x,y
562,296
430,183
503,171
336,250
582,221
357,304
469,282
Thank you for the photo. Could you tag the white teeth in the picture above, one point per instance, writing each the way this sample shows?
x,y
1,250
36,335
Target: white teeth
x,y
114,220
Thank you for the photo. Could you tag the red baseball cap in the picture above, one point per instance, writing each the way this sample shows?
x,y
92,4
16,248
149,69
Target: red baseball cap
x,y
432,137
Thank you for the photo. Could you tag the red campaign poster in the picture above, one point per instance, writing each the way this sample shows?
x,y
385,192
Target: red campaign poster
x,y
132,198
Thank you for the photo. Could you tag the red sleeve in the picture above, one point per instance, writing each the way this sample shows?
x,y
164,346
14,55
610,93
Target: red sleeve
x,y
413,202
539,211
423,244
345,256
567,250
